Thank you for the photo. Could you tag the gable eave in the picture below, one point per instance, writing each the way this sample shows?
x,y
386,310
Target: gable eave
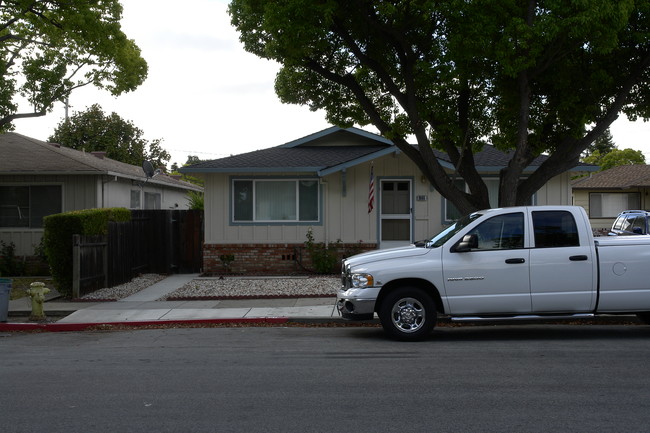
x,y
332,130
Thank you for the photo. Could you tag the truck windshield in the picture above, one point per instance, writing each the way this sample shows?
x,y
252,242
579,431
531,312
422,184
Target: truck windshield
x,y
442,237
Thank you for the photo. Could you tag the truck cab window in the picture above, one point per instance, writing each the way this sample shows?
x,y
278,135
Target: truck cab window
x,y
555,229
503,232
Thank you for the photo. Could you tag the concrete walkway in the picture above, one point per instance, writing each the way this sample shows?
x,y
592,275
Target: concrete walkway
x,y
143,307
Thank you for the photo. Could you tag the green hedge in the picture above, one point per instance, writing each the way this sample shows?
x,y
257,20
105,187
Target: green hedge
x,y
57,238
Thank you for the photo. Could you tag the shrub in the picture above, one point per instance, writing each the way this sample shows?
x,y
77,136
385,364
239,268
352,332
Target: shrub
x,y
324,258
195,200
10,265
57,238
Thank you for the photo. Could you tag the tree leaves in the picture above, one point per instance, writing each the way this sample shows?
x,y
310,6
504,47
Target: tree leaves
x,y
533,77
93,130
49,48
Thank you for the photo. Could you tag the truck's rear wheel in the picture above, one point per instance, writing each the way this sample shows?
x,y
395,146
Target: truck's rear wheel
x,y
408,314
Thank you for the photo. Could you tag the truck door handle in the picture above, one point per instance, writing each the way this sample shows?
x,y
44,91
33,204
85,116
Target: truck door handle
x,y
515,261
580,258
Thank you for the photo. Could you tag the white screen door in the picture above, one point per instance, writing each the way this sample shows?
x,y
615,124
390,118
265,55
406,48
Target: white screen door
x,y
396,213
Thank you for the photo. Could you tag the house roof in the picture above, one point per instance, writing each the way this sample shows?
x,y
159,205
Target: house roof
x,y
621,177
25,155
335,149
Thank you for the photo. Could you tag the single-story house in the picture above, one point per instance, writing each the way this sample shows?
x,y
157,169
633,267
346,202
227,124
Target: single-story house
x,y
39,179
607,193
260,205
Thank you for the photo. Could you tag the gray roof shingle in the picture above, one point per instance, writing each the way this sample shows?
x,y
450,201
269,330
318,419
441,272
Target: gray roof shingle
x,y
20,154
309,157
621,177
331,149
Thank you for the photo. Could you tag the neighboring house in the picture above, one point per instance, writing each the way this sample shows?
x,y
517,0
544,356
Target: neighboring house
x,y
39,179
607,193
260,205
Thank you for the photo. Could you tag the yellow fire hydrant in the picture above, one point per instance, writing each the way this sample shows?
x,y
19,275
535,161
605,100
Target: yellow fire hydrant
x,y
37,292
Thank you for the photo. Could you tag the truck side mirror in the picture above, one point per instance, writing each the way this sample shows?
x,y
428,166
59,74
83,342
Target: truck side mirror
x,y
468,243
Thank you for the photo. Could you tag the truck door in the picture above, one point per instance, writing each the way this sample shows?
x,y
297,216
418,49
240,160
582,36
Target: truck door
x,y
493,277
562,271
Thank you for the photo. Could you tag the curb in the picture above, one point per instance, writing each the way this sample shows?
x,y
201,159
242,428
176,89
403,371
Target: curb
x,y
73,327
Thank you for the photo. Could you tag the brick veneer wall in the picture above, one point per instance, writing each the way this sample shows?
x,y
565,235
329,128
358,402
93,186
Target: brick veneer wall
x,y
268,259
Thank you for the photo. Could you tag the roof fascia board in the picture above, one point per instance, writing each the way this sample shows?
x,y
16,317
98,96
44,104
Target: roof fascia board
x,y
333,129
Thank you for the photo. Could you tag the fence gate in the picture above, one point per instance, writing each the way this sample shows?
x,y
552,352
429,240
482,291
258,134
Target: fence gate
x,y
89,264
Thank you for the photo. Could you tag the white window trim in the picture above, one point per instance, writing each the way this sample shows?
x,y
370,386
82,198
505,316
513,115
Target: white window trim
x,y
254,220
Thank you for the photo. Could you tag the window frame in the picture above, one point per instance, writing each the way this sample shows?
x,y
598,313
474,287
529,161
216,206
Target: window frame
x,y
503,241
30,206
543,239
136,194
157,200
292,222
618,212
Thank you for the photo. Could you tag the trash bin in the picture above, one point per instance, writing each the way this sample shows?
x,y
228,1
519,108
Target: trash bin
x,y
5,289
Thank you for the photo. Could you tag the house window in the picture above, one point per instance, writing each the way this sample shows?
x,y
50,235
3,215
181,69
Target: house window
x,y
25,206
275,200
452,214
135,199
151,200
610,204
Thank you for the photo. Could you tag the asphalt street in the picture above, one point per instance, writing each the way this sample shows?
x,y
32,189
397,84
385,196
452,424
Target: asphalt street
x,y
524,378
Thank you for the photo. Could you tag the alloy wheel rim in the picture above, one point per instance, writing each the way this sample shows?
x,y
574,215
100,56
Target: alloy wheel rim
x,y
408,315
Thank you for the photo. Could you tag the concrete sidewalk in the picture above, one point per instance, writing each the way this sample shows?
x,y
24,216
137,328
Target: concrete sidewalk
x,y
142,307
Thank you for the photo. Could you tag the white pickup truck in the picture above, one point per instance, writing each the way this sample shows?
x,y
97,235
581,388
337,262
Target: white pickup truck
x,y
500,264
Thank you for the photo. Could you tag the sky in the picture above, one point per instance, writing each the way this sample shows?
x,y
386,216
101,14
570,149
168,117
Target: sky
x,y
206,96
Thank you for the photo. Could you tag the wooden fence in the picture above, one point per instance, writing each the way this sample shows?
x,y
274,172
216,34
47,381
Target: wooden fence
x,y
154,241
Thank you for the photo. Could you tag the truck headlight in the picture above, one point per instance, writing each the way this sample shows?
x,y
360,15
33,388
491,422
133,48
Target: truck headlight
x,y
360,281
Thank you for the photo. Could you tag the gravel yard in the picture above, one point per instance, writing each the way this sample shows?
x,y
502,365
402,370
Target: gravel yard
x,y
269,287
227,288
123,290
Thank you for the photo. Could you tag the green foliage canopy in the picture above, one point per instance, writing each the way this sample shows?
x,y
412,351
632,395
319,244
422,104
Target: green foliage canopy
x,y
615,158
50,47
530,77
94,130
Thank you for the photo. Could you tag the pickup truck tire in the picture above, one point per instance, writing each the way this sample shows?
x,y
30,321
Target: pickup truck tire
x,y
408,314
644,317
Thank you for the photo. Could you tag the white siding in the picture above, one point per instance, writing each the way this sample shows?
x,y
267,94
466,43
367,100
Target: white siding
x,y
346,216
117,193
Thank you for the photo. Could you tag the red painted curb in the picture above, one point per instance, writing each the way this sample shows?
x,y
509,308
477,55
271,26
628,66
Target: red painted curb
x,y
72,327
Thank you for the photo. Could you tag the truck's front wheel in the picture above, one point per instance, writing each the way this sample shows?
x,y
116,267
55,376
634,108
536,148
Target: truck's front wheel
x,y
408,314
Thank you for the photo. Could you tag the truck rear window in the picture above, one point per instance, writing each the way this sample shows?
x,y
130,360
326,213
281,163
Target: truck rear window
x,y
555,229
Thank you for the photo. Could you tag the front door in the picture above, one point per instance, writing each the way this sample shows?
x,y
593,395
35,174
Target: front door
x,y
396,213
494,277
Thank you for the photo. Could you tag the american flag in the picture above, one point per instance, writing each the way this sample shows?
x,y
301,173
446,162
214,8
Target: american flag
x,y
371,191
